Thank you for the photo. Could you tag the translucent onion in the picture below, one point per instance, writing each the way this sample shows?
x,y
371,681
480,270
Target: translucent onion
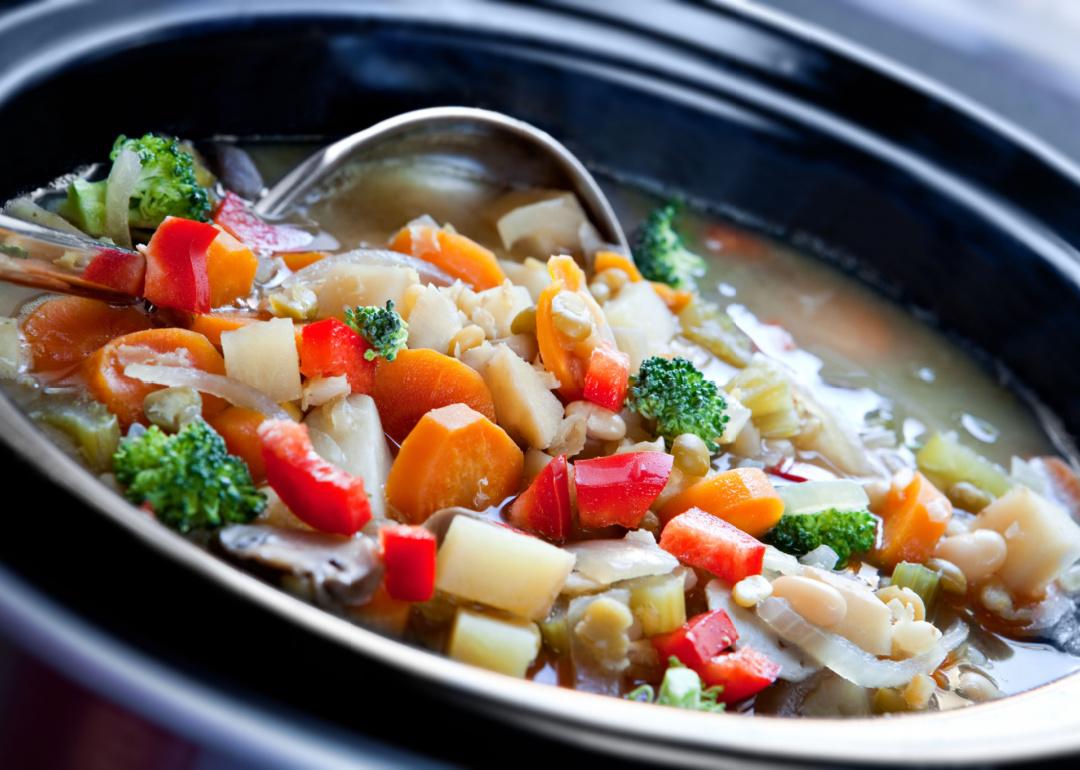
x,y
610,561
28,211
318,271
118,190
553,224
848,660
233,391
823,556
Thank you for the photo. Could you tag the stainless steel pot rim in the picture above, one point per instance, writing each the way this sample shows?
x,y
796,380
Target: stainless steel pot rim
x,y
1040,722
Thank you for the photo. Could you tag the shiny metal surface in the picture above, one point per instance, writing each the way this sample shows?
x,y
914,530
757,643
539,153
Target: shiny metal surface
x,y
488,143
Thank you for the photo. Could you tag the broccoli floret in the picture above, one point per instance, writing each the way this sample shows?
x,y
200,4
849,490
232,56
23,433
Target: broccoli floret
x,y
660,254
383,328
189,479
167,184
846,532
680,399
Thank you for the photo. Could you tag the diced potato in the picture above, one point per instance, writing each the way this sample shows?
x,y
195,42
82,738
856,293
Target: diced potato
x,y
433,319
639,307
946,461
351,285
263,355
867,622
532,274
483,562
634,342
499,306
506,645
349,434
477,358
539,222
1041,537
10,348
658,603
523,404
535,461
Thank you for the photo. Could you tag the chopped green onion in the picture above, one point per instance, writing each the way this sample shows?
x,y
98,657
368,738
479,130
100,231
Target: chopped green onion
x,y
681,688
922,580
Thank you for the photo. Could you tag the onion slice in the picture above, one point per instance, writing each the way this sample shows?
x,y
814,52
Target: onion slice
x,y
847,659
317,272
28,211
233,391
610,561
118,191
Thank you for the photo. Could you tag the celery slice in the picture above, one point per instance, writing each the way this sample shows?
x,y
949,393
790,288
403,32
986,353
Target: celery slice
x,y
946,461
922,580
814,496
765,389
659,603
707,324
92,428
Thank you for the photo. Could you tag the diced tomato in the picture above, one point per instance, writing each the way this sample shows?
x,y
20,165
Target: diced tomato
x,y
741,673
544,508
606,377
320,494
176,274
619,489
124,271
409,559
330,348
698,640
236,216
710,543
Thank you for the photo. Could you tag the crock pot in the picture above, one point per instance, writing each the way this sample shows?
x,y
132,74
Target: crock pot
x,y
940,206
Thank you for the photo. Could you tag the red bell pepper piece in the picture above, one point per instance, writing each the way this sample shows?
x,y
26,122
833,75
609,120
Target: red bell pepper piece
x,y
619,489
320,494
176,265
698,640
606,377
124,271
710,543
544,508
409,558
236,216
741,673
330,348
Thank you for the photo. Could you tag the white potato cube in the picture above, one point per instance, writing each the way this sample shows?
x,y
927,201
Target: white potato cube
x,y
486,563
637,306
349,434
351,285
263,355
532,274
523,404
433,320
499,307
506,645
1041,537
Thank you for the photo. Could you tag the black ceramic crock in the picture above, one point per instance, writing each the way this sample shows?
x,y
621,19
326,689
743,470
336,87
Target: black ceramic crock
x,y
940,206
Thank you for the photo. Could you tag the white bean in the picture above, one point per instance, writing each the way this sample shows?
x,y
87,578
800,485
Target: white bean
x,y
976,687
915,637
751,591
978,554
818,602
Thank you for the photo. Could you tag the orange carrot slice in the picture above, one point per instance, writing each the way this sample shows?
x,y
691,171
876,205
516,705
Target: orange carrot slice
x,y
420,380
240,429
454,456
743,497
62,332
298,260
452,252
104,370
212,325
230,268
914,515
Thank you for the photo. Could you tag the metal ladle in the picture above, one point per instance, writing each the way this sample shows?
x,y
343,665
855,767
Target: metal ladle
x,y
489,144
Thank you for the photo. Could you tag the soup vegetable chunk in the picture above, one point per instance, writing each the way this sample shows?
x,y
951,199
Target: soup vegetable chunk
x,y
445,410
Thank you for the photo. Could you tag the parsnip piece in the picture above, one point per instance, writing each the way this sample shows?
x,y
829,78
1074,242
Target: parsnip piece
x,y
523,404
352,425
634,342
505,645
483,562
350,285
433,319
263,355
1041,537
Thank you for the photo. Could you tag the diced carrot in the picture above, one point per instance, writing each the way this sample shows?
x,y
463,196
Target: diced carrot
x,y
230,267
675,299
566,358
914,516
298,260
452,252
62,332
240,429
104,370
212,325
743,497
420,380
608,260
454,456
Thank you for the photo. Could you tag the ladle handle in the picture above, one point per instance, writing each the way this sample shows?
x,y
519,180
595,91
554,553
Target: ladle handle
x,y
30,255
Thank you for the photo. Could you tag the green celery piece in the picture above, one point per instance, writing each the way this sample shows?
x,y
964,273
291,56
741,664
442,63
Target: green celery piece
x,y
922,580
85,206
946,461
